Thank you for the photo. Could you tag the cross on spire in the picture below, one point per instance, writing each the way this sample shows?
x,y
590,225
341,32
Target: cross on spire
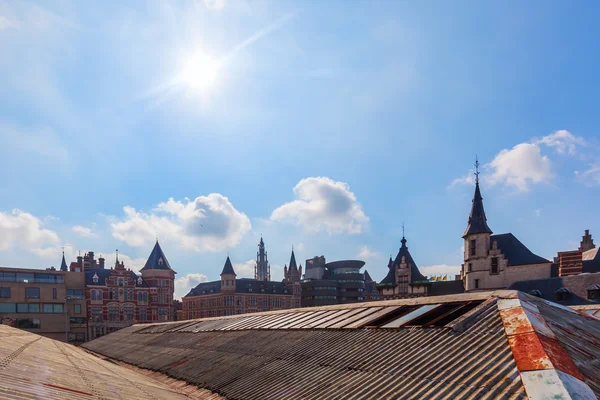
x,y
476,170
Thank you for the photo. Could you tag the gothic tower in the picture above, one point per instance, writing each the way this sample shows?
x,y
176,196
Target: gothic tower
x,y
292,277
262,269
477,239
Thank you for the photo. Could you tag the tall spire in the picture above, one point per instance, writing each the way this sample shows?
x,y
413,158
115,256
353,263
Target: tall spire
x,y
477,218
293,266
63,264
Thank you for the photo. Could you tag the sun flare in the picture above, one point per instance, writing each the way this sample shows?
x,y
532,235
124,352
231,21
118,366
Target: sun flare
x,y
199,72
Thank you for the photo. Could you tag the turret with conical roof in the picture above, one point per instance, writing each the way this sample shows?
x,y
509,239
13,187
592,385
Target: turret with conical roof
x,y
157,272
228,277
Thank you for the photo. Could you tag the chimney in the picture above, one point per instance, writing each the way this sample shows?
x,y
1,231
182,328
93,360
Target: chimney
x,y
101,262
570,263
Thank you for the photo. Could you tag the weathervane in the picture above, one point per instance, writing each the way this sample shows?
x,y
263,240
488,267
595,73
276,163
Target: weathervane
x,y
476,170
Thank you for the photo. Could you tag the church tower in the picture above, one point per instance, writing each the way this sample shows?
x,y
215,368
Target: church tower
x,y
262,269
158,273
477,244
292,277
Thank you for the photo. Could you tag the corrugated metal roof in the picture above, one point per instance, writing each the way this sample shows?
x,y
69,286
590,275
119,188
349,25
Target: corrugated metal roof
x,y
35,367
334,352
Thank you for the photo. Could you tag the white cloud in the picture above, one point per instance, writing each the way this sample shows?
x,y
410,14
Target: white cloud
x,y
520,166
245,269
83,231
184,284
563,141
441,269
323,204
591,176
6,23
365,253
209,223
538,212
524,164
19,229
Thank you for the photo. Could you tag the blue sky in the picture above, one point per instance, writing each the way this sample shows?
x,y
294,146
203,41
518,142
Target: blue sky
x,y
322,125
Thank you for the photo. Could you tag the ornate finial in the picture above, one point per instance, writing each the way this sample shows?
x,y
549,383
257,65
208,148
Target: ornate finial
x,y
476,170
402,228
292,247
117,255
156,238
63,249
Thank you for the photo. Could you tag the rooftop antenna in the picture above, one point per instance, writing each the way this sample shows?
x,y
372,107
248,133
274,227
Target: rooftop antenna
x,y
476,170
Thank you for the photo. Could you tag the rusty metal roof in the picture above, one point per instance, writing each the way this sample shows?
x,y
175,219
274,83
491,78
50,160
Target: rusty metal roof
x,y
35,367
470,346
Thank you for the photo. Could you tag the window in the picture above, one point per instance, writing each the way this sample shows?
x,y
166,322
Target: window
x,y
143,314
494,265
472,247
97,314
476,281
8,277
22,307
27,323
128,313
95,278
7,308
403,283
470,267
32,293
34,307
54,293
5,292
52,308
121,281
114,313
26,278
77,320
594,292
77,308
229,301
562,294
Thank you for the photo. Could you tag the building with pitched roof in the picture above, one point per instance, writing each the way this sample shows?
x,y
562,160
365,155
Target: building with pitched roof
x,y
118,297
495,261
232,295
405,280
486,345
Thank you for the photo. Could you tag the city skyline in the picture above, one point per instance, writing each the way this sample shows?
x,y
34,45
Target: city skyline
x,y
323,127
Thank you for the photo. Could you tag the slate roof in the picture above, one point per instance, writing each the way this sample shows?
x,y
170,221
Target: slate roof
x,y
577,285
293,266
368,277
515,251
591,260
477,219
390,278
105,273
243,285
63,264
157,260
468,346
228,268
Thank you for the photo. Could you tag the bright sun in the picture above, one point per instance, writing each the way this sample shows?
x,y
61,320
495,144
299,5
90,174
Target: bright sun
x,y
199,73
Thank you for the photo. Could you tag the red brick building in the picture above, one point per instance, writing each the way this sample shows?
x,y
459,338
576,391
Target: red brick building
x,y
118,297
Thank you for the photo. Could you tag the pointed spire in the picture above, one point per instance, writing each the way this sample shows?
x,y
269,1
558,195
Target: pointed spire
x,y
228,268
63,264
391,262
293,266
477,218
157,259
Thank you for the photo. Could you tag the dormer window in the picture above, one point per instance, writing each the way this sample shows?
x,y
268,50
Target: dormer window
x,y
160,261
562,294
95,278
139,281
535,293
594,292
